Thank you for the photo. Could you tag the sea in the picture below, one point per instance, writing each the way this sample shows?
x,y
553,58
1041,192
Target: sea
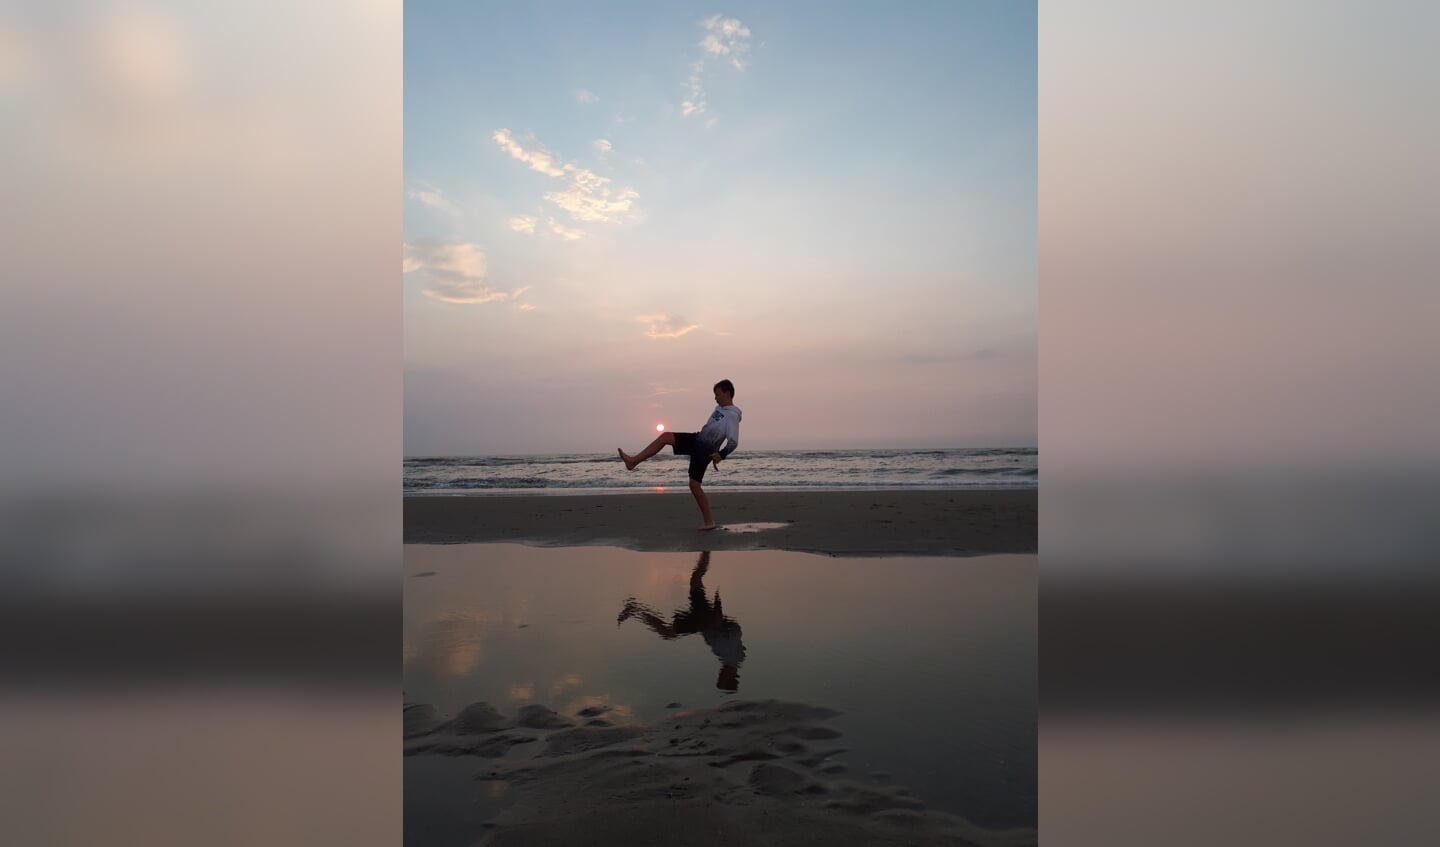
x,y
755,470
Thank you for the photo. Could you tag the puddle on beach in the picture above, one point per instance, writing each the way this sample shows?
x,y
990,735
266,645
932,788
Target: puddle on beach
x,y
929,660
752,527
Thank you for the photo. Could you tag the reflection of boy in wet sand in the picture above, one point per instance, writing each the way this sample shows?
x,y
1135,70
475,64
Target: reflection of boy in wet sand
x,y
720,632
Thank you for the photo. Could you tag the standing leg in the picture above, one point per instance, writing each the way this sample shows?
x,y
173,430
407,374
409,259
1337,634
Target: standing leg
x,y
704,504
664,439
702,567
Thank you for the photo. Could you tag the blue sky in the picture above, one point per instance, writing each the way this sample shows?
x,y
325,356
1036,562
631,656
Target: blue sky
x,y
608,208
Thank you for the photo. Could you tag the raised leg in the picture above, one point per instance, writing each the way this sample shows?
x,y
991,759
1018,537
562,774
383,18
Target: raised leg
x,y
657,624
663,440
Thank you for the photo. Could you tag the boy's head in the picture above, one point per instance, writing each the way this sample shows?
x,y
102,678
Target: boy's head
x,y
724,392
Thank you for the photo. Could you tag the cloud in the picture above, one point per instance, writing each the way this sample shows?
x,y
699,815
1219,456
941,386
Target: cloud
x,y
538,159
563,232
602,146
457,271
522,223
727,40
583,96
525,307
587,196
666,326
466,294
457,261
726,37
431,196
694,102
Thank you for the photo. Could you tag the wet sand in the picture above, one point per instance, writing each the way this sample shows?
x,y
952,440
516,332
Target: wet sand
x,y
842,523
745,773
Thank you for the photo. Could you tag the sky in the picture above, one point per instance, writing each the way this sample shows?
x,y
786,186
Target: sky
x,y
610,207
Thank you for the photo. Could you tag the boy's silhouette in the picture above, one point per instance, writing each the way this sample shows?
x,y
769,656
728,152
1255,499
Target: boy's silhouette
x,y
721,633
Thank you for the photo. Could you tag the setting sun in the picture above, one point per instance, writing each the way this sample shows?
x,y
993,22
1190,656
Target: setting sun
x,y
659,427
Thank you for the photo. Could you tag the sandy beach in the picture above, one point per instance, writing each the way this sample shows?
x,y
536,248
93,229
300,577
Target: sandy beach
x,y
842,523
744,773
556,751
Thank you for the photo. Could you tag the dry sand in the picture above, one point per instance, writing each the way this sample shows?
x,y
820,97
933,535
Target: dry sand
x,y
863,523
741,774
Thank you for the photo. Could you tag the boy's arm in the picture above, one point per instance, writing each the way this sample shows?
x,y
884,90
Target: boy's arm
x,y
732,440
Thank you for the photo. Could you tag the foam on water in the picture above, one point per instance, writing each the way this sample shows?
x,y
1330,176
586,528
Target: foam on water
x,y
992,467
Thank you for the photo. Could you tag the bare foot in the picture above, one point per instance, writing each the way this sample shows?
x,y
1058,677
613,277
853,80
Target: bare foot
x,y
709,527
625,457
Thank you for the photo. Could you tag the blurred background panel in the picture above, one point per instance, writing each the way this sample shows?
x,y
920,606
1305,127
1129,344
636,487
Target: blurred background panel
x,y
1239,455
200,346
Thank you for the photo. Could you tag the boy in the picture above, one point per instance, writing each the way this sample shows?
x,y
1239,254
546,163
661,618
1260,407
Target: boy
x,y
702,447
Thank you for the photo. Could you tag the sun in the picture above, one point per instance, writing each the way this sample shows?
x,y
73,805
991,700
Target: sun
x,y
659,427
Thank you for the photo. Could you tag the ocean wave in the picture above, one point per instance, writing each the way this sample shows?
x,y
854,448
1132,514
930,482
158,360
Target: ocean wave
x,y
1022,472
509,461
807,470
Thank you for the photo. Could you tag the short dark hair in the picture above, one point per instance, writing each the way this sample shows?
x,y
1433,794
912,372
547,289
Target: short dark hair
x,y
726,386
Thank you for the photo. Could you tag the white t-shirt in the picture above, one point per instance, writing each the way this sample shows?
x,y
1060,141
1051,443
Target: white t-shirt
x,y
724,425
726,645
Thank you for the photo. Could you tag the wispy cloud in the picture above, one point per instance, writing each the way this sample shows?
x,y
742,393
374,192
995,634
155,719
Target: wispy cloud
x,y
661,391
694,102
452,260
525,307
539,159
457,272
726,40
522,223
666,326
433,197
564,232
602,146
583,96
587,196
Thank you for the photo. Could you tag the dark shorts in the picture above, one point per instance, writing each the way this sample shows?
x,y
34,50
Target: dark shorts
x,y
687,444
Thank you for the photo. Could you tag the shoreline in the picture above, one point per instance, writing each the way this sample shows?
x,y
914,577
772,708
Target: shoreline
x,y
889,522
672,489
